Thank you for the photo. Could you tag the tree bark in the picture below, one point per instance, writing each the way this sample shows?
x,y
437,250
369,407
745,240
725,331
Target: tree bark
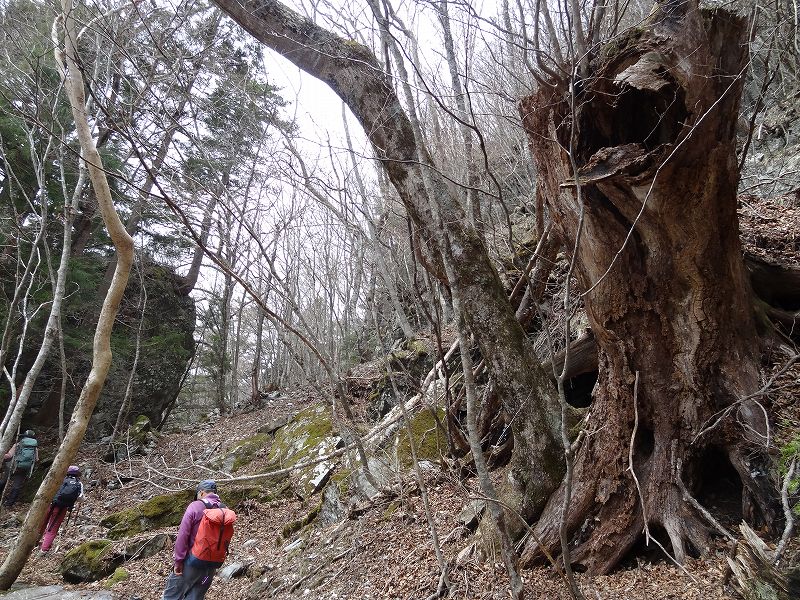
x,y
352,71
101,359
668,298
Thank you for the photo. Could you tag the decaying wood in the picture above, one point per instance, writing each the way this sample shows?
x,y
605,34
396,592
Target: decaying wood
x,y
666,292
753,574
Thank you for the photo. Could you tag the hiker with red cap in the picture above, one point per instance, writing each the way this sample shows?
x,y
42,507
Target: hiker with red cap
x,y
70,492
201,546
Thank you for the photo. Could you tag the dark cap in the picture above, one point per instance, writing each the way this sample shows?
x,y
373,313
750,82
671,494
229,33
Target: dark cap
x,y
207,485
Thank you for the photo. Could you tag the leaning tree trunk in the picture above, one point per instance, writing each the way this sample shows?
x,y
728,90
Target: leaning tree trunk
x,y
352,71
19,552
654,140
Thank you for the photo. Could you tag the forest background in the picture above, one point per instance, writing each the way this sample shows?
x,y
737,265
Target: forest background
x,y
491,205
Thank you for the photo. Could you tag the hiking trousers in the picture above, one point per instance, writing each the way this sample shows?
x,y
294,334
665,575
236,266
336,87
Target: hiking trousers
x,y
192,585
55,516
17,482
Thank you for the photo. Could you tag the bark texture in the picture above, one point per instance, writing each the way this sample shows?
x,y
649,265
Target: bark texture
x,y
668,296
352,71
101,351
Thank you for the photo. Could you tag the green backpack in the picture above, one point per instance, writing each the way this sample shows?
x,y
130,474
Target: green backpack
x,y
25,455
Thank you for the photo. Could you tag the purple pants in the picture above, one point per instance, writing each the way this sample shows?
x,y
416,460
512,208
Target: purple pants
x,y
52,522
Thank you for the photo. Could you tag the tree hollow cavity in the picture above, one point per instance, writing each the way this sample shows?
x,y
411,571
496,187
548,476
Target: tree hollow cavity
x,y
718,486
622,113
578,389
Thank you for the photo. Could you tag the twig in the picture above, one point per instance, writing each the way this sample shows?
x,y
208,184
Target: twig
x,y
787,511
630,455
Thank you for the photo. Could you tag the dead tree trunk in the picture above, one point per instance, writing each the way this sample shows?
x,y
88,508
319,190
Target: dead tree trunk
x,y
666,292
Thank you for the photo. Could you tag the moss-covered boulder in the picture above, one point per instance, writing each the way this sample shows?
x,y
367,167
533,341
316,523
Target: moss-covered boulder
x,y
244,452
307,436
167,341
119,574
167,510
91,561
429,436
159,511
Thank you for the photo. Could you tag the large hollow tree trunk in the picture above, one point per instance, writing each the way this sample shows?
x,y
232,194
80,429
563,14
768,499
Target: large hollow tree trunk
x,y
656,155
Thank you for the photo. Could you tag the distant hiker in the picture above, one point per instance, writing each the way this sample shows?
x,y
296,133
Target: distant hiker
x,y
201,546
70,492
22,456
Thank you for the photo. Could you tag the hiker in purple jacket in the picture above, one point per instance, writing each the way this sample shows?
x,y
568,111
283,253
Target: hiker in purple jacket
x,y
190,580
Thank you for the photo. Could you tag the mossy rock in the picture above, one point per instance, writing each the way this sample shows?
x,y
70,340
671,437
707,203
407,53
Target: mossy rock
x,y
244,452
296,441
159,511
234,497
140,428
411,356
430,439
120,574
293,527
167,510
308,435
91,561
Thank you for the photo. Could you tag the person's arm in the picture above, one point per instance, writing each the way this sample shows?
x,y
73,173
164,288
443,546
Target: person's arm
x,y
184,533
10,454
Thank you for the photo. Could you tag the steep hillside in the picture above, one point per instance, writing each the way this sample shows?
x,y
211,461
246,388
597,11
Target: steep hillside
x,y
315,528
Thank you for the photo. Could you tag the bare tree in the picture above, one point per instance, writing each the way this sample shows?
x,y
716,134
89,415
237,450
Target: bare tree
x,y
74,86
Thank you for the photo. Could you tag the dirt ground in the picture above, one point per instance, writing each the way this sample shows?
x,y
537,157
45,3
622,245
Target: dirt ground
x,y
383,549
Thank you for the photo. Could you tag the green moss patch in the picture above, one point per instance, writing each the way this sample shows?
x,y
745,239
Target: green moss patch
x,y
307,436
167,510
117,576
295,442
430,439
91,561
157,512
244,452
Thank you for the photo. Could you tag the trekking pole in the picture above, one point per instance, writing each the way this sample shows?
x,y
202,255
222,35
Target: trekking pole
x,y
77,509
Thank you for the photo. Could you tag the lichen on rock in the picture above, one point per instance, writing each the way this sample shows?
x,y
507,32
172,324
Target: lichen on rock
x,y
307,436
244,452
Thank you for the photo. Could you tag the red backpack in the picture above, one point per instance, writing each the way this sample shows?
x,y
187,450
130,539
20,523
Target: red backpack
x,y
214,534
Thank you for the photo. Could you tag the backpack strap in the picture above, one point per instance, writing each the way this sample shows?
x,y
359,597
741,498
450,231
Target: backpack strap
x,y
221,527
